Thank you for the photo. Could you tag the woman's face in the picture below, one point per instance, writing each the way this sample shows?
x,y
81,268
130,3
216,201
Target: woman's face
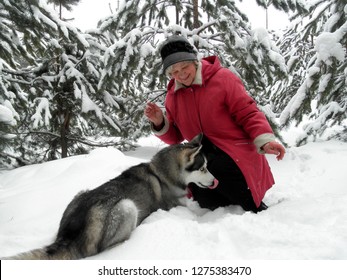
x,y
184,72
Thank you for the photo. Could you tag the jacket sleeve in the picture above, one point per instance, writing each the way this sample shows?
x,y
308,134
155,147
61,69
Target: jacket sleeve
x,y
245,112
170,133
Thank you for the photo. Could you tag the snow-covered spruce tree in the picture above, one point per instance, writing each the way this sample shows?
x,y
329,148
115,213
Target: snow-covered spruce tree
x,y
62,107
316,92
8,114
6,122
133,35
12,97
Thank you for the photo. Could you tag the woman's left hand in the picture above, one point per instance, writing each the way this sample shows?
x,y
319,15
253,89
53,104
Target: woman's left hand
x,y
275,149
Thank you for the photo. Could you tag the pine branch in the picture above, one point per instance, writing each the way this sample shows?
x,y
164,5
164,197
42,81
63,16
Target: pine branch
x,y
20,160
79,140
92,144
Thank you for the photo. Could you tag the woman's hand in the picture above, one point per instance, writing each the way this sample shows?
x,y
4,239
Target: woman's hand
x,y
154,114
275,149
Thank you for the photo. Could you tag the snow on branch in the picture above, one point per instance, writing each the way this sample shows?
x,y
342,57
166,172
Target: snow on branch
x,y
89,105
327,45
43,106
325,114
40,17
6,115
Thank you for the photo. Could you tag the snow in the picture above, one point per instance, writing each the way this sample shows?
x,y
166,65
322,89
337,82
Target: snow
x,y
6,115
325,117
263,38
307,208
324,81
89,105
41,17
293,104
43,105
327,45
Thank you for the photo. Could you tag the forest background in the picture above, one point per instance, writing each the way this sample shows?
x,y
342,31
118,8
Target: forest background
x,y
64,91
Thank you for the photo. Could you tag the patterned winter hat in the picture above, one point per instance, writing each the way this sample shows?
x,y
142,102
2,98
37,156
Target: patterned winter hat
x,y
176,49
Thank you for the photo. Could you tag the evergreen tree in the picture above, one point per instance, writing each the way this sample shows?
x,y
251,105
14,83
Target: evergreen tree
x,y
51,83
12,97
6,121
316,90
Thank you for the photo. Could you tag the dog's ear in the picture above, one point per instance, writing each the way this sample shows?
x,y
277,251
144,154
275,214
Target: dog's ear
x,y
191,154
196,141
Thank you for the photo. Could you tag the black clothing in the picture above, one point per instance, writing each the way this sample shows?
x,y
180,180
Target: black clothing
x,y
232,187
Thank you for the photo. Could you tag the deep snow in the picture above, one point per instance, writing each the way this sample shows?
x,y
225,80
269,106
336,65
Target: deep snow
x,y
306,219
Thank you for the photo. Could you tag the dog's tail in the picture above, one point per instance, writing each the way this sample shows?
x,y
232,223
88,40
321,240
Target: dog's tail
x,y
55,251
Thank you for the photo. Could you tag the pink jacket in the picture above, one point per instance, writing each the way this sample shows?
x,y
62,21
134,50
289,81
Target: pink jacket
x,y
218,106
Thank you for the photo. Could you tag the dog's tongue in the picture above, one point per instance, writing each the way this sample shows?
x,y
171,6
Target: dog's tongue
x,y
215,184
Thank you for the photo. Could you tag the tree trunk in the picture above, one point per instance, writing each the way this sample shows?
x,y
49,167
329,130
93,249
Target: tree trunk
x,y
63,133
196,13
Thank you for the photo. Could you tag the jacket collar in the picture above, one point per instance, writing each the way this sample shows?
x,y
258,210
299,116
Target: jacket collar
x,y
197,80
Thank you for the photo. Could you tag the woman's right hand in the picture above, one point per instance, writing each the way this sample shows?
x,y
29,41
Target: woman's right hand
x,y
154,114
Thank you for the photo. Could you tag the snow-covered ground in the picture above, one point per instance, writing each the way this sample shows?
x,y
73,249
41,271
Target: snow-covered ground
x,y
306,219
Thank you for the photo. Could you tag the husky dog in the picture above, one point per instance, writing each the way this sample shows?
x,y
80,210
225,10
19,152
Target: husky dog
x,y
98,219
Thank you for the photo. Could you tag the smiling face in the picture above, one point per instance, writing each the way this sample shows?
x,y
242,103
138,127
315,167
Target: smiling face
x,y
184,72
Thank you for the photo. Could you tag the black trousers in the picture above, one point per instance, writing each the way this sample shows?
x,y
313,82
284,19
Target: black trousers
x,y
232,188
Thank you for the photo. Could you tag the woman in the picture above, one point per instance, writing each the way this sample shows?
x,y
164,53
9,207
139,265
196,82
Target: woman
x,y
203,97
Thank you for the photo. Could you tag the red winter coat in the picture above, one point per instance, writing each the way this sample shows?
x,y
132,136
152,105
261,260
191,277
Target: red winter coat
x,y
222,110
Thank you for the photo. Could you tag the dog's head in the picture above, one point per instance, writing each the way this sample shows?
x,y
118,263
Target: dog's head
x,y
182,164
195,165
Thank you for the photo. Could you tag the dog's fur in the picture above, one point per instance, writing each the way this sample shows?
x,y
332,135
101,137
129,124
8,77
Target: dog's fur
x,y
98,219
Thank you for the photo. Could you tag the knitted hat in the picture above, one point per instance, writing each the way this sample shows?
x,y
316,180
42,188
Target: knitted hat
x,y
176,49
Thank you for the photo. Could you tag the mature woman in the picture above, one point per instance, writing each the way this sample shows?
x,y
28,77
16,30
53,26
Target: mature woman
x,y
203,97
